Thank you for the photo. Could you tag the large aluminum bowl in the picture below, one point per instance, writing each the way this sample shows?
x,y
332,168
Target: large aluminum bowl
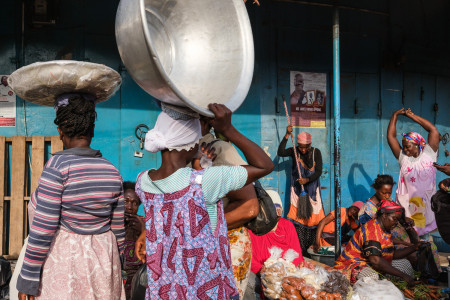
x,y
188,52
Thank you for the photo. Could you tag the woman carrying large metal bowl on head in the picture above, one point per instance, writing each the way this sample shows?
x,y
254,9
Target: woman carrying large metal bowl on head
x,y
186,236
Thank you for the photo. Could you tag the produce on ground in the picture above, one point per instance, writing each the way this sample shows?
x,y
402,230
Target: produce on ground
x,y
420,291
282,280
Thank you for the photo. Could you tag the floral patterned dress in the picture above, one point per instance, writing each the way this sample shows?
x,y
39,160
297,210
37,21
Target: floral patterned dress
x,y
416,186
241,256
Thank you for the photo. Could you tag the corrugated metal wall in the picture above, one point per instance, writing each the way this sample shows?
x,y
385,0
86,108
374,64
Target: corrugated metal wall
x,y
387,58
385,54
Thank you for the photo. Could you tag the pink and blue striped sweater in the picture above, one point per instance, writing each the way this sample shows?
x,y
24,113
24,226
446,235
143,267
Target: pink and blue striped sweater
x,y
79,191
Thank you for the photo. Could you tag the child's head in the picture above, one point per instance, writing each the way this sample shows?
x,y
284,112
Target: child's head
x,y
383,186
132,200
354,209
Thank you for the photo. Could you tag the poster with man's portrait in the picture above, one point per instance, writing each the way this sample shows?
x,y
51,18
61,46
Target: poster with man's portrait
x,y
308,99
7,103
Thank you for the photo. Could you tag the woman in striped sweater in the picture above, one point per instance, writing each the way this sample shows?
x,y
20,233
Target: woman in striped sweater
x,y
77,229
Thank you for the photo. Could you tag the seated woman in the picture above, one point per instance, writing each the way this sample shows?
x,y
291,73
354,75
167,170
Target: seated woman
x,y
283,236
371,249
133,228
402,236
383,190
326,227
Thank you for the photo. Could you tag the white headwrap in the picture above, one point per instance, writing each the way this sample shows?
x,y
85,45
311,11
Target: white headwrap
x,y
173,134
276,199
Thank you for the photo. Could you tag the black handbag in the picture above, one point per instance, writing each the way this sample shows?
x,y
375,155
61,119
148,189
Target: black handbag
x,y
425,262
266,219
5,277
139,283
440,204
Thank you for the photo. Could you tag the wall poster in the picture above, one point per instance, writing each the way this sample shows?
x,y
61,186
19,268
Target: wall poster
x,y
308,99
7,104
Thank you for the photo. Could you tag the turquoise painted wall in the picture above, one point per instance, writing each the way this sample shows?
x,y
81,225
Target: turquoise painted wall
x,y
384,52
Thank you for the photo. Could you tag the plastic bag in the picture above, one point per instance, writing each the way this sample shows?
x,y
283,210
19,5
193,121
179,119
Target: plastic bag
x,y
267,218
5,277
273,273
314,278
425,262
289,257
372,289
42,82
139,283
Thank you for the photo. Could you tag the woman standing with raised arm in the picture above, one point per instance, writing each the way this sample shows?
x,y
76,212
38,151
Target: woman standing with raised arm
x,y
186,237
305,216
417,178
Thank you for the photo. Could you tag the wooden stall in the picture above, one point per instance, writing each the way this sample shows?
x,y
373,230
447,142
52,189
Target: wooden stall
x,y
23,160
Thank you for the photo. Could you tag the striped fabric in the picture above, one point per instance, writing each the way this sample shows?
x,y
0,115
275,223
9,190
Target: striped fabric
x,y
353,257
80,192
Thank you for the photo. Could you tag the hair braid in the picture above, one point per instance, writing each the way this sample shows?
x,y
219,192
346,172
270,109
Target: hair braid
x,y
77,118
382,180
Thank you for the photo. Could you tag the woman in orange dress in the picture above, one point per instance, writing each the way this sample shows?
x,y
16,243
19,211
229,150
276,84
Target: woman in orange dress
x,y
326,227
371,250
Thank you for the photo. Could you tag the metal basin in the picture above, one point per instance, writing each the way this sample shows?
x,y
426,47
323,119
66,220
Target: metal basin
x,y
188,52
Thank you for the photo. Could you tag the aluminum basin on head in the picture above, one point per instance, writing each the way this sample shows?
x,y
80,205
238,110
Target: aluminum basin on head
x,y
188,52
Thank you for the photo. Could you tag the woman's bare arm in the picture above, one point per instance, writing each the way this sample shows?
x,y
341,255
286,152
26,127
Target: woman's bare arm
x,y
433,133
243,206
392,133
259,162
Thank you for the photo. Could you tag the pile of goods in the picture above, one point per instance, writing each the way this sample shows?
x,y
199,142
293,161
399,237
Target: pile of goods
x,y
368,288
419,291
283,280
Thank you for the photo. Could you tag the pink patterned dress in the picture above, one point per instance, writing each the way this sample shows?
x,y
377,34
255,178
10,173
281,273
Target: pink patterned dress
x,y
185,259
416,185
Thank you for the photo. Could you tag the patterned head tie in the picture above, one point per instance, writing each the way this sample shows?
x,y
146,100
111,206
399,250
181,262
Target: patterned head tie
x,y
415,138
358,204
304,138
388,206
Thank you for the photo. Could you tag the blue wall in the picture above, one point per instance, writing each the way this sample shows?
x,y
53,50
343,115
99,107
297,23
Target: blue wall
x,y
384,52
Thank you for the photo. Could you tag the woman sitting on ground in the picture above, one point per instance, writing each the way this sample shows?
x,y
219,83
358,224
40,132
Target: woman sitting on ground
x,y
326,228
402,236
283,236
371,249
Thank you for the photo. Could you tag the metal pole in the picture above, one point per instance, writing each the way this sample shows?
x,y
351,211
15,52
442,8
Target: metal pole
x,y
337,131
